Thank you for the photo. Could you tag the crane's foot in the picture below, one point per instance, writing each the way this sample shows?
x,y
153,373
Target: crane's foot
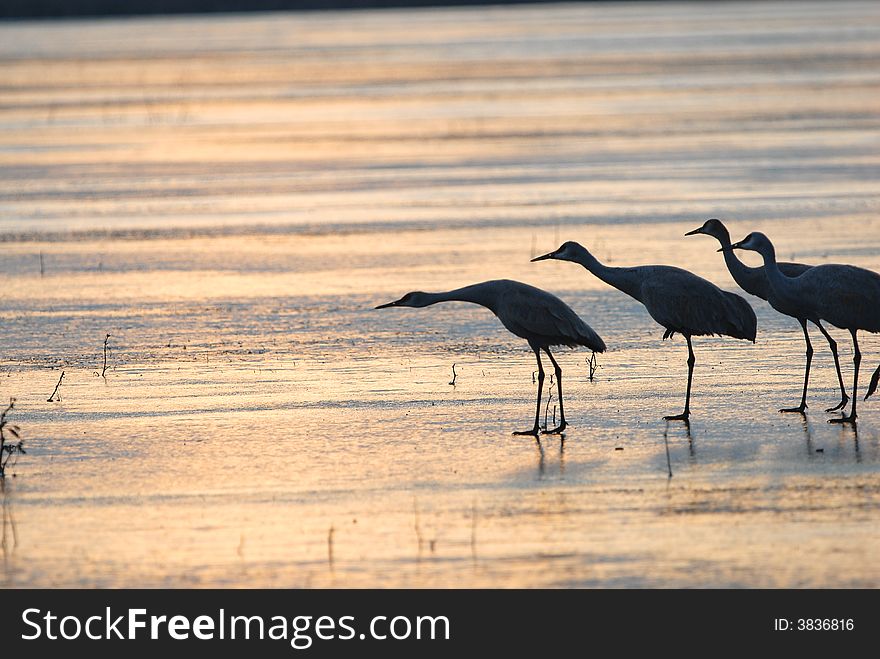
x,y
800,409
840,405
844,419
557,430
534,432
684,416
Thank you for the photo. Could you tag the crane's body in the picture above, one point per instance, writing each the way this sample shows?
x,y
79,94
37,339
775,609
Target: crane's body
x,y
754,281
669,295
680,301
846,296
539,317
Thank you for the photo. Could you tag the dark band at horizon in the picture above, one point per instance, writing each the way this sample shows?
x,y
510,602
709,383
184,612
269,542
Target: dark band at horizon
x,y
25,9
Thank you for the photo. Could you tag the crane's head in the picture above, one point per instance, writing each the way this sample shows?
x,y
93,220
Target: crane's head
x,y
414,299
568,251
755,242
714,228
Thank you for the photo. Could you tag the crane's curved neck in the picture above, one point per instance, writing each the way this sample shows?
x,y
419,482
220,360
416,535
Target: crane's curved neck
x,y
742,274
623,279
476,293
780,283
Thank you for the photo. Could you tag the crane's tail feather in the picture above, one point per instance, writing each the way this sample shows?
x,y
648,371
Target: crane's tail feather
x,y
872,386
597,345
743,322
594,343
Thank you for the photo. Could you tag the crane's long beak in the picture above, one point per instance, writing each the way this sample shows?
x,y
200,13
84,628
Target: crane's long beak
x,y
543,258
695,231
389,304
733,246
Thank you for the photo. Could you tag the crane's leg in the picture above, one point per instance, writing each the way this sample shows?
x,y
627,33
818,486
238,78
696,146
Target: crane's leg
x,y
536,430
857,359
800,408
844,399
684,416
562,424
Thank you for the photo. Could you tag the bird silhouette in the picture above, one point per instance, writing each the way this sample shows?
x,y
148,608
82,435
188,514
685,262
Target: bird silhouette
x,y
754,281
678,300
846,296
530,313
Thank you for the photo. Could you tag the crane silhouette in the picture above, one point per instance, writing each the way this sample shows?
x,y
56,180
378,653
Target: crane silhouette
x,y
678,300
754,281
530,313
846,296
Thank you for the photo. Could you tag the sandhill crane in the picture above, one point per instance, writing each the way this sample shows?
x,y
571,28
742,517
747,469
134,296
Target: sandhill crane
x,y
754,281
843,295
530,313
678,300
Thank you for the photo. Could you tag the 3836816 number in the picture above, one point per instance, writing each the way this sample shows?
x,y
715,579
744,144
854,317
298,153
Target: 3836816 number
x,y
825,624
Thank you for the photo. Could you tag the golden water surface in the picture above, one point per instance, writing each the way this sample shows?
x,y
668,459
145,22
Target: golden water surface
x,y
229,197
